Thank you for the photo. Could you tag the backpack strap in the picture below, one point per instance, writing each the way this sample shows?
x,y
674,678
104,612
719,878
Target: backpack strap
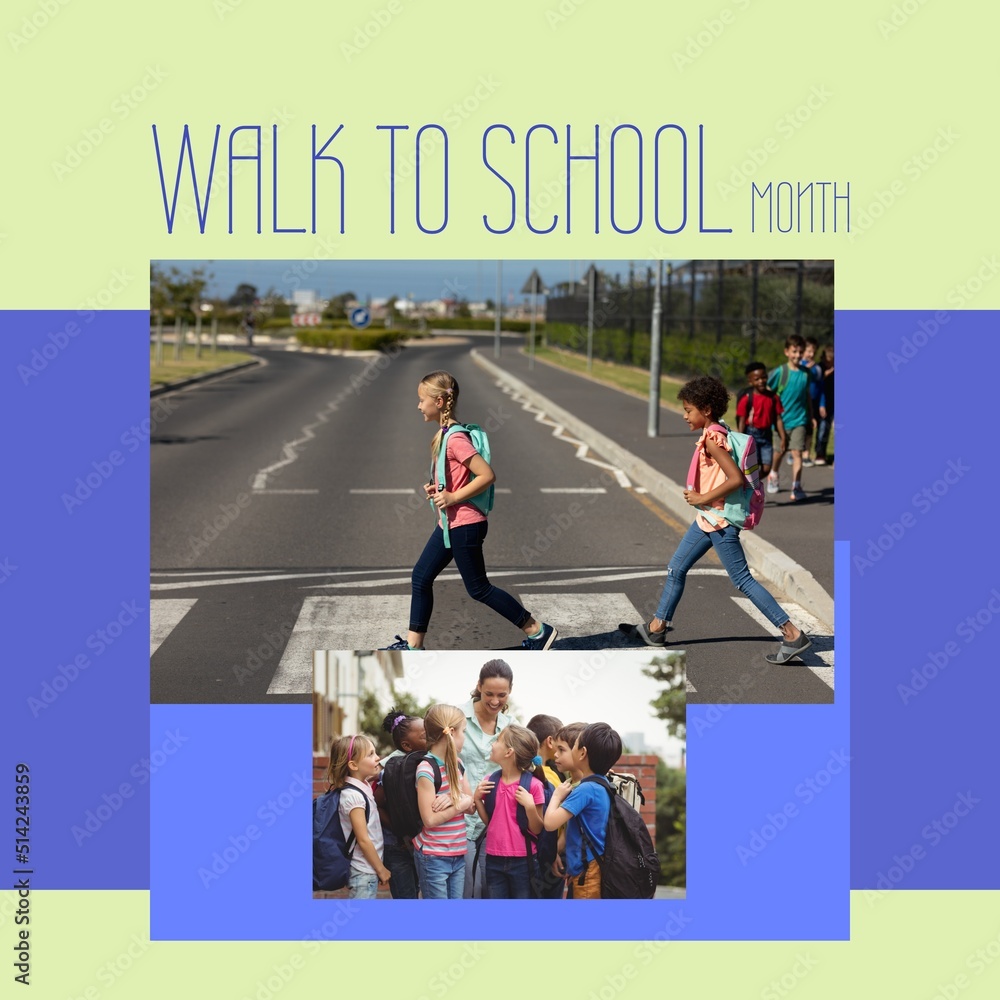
x,y
350,844
585,839
438,475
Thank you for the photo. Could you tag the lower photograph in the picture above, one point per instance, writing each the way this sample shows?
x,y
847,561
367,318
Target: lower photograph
x,y
477,775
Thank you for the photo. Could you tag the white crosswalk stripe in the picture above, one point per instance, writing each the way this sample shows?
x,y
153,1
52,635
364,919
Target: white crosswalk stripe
x,y
164,617
822,641
581,614
335,623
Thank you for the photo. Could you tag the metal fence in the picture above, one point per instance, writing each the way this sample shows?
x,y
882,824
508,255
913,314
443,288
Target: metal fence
x,y
716,315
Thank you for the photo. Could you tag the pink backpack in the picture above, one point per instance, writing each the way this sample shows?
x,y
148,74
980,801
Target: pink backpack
x,y
743,507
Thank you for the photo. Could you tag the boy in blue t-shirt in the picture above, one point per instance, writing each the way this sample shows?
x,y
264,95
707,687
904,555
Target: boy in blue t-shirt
x,y
791,382
586,805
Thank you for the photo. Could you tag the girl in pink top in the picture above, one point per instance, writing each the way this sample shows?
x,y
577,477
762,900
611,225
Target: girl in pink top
x,y
467,474
705,400
508,861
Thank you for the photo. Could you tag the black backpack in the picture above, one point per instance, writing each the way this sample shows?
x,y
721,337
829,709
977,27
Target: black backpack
x,y
399,782
331,853
630,868
546,843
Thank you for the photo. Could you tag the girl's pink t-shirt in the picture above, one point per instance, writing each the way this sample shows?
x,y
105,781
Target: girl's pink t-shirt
x,y
710,475
503,836
456,475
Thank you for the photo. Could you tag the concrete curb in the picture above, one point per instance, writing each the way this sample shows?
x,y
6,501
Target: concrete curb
x,y
766,560
159,390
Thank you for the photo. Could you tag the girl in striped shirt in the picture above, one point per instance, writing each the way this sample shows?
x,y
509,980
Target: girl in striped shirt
x,y
439,849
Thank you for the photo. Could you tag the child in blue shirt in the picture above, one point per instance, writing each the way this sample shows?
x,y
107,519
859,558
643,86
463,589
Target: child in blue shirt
x,y
791,382
585,807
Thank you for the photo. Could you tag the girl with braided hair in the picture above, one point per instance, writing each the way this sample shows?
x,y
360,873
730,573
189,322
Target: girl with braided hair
x,y
467,474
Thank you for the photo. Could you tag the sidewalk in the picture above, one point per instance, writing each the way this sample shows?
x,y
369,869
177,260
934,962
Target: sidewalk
x,y
802,531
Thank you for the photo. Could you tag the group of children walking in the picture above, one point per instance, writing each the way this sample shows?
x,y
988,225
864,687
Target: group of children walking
x,y
544,805
795,399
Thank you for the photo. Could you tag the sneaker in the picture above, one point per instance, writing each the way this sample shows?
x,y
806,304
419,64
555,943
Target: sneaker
x,y
789,460
772,483
797,494
820,460
807,463
543,640
789,650
400,643
651,638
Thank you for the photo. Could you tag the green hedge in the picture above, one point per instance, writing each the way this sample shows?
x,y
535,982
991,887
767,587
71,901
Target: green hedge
x,y
350,339
681,355
507,325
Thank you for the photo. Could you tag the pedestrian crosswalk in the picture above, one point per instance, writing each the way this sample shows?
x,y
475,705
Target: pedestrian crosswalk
x,y
585,620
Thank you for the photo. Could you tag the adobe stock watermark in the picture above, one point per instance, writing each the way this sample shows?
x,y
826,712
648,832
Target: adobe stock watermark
x,y
710,31
899,16
977,962
91,137
922,502
237,845
778,988
98,642
554,16
257,656
968,630
932,835
805,793
59,340
563,521
366,33
786,127
102,469
31,25
913,169
96,818
912,344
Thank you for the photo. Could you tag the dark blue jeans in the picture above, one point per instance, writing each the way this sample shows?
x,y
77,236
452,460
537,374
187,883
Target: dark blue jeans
x,y
399,860
467,551
508,878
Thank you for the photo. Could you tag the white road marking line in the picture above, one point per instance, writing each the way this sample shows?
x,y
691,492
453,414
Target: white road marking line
x,y
383,492
336,623
559,432
292,449
689,687
572,489
581,614
822,641
258,493
164,617
271,577
610,578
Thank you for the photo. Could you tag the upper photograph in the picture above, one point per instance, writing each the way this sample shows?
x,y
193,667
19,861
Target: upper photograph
x,y
491,455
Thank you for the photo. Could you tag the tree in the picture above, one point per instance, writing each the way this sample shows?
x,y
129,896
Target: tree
x,y
245,295
336,308
671,824
671,703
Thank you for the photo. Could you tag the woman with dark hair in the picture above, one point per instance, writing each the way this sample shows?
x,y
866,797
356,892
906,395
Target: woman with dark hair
x,y
486,717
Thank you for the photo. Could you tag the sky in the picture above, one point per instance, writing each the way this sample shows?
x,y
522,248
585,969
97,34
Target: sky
x,y
587,686
425,279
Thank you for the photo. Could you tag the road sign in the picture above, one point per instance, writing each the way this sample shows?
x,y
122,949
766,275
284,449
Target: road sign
x,y
534,285
306,319
360,317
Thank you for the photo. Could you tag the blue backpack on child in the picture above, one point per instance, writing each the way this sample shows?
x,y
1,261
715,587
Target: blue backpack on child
x,y
331,853
481,442
744,507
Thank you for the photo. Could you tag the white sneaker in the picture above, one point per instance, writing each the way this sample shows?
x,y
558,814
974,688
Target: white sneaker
x,y
789,460
772,483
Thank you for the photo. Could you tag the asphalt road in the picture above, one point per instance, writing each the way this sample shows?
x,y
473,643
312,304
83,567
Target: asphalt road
x,y
266,544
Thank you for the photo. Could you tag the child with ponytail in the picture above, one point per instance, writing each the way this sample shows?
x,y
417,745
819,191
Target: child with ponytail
x,y
467,474
510,854
353,762
439,849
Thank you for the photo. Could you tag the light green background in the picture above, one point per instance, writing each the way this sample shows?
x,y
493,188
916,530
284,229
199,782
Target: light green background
x,y
88,236
888,94
903,944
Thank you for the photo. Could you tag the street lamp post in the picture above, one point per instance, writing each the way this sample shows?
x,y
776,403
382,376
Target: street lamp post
x,y
653,428
496,311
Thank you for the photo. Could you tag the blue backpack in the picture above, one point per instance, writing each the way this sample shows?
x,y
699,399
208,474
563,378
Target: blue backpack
x,y
481,442
546,842
331,853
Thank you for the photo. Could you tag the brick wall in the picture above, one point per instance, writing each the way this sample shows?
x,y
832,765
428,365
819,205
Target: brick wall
x,y
642,765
